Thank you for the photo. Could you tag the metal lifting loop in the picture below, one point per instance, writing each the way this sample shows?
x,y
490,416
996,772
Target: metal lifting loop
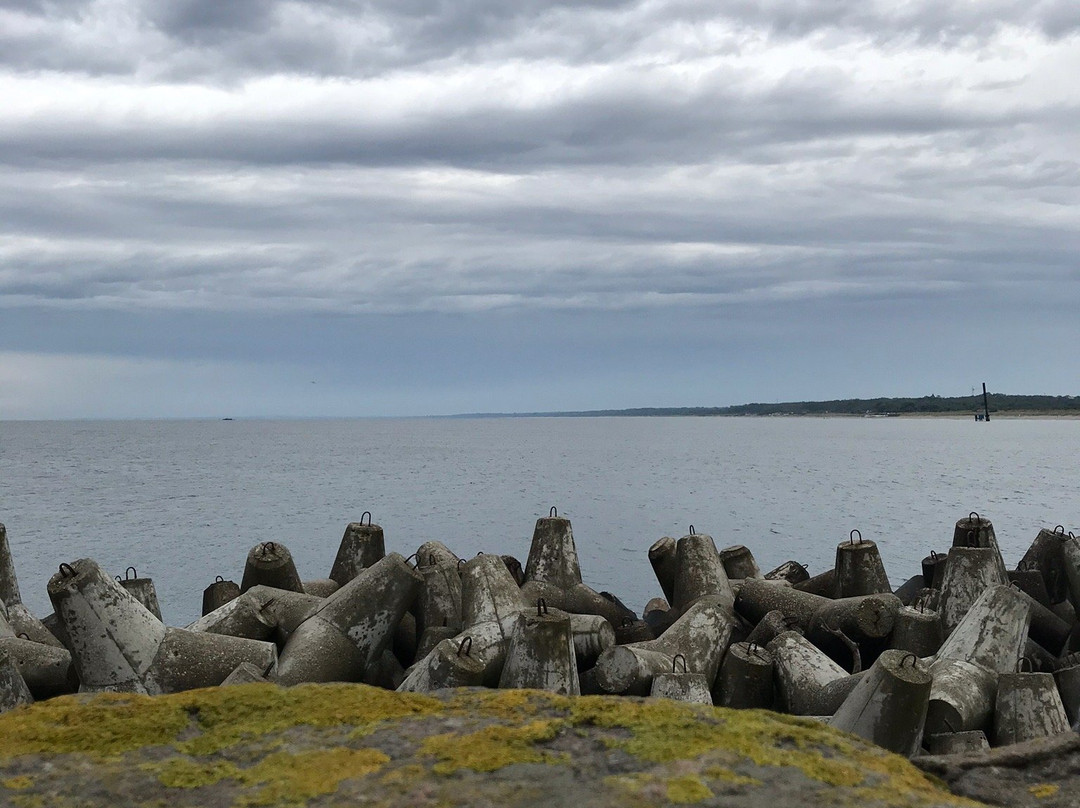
x,y
1020,665
269,547
553,513
691,530
675,663
410,558
972,539
1059,530
933,555
852,534
118,578
753,648
67,570
134,573
914,660
22,635
463,648
541,607
219,580
461,562
973,517
368,515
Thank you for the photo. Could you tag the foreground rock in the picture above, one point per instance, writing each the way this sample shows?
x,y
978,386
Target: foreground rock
x,y
345,745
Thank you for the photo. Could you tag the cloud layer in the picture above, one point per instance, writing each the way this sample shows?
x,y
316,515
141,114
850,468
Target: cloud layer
x,y
420,158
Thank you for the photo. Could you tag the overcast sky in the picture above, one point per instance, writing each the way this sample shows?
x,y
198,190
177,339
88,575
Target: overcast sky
x,y
404,207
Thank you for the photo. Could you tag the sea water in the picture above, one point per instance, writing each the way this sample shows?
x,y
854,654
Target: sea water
x,y
184,501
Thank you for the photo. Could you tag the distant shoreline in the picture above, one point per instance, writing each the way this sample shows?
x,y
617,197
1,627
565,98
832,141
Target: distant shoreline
x,y
1001,405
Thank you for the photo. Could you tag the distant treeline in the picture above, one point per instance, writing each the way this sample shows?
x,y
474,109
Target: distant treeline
x,y
999,402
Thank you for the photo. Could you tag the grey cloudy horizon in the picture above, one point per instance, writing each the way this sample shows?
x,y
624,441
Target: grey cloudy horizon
x,y
364,207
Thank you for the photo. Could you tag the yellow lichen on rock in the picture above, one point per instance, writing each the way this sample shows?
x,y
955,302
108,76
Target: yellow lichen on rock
x,y
17,783
1044,791
687,789
102,726
282,778
493,747
225,716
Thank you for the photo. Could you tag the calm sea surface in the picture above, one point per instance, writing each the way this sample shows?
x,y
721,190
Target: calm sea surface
x,y
183,501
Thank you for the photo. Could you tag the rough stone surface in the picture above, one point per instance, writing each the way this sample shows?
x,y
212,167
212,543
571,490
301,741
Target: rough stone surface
x,y
1044,772
347,745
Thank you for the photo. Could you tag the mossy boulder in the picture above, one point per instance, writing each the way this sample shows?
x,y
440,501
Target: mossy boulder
x,y
347,745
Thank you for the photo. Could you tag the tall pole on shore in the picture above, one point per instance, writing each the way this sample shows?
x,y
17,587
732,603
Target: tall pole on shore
x,y
986,404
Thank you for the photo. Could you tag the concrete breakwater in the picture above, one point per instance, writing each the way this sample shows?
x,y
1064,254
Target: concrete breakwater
x,y
964,655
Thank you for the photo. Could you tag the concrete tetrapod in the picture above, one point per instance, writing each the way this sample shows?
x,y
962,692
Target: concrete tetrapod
x,y
13,690
113,638
681,685
888,707
974,531
218,594
790,571
662,560
361,546
802,672
540,654
1068,684
142,589
1070,556
932,568
47,670
451,663
553,573
271,564
957,743
701,636
438,601
993,632
858,569
699,573
969,571
746,678
117,645
1027,706
1045,557
320,587
245,674
261,613
352,627
553,557
917,631
961,696
739,563
21,620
